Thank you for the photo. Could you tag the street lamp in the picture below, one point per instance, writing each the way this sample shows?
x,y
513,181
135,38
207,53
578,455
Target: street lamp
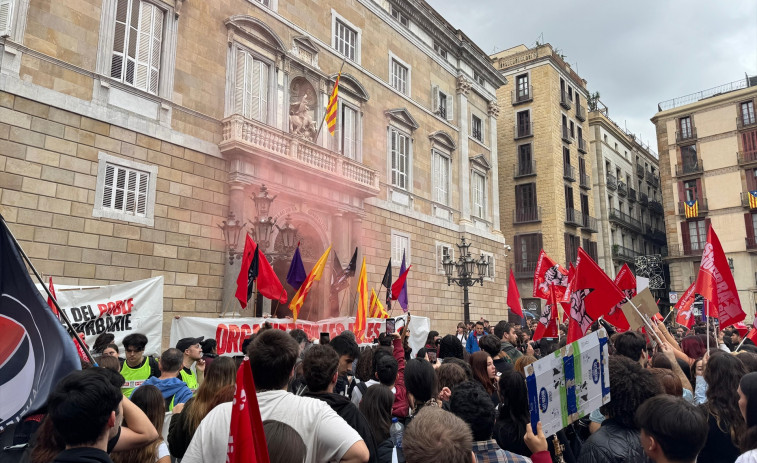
x,y
466,266
232,228
263,224
288,234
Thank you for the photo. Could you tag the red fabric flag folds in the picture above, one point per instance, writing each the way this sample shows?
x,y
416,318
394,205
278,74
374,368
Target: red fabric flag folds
x,y
246,436
399,284
626,281
715,282
548,274
513,296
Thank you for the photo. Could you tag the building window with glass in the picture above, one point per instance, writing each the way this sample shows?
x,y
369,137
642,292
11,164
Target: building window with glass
x,y
345,40
349,132
137,44
441,168
478,181
251,86
477,128
400,153
399,76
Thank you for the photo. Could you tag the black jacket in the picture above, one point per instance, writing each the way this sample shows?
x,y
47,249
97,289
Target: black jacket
x,y
82,455
179,436
349,413
613,443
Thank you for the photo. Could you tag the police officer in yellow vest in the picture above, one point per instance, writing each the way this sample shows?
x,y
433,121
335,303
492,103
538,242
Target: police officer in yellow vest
x,y
192,353
137,368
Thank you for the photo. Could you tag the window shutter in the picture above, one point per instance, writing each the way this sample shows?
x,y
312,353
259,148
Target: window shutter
x,y
6,15
700,194
142,196
681,193
749,141
157,38
239,83
119,40
254,88
108,187
263,91
685,238
707,223
518,245
144,41
749,227
450,108
434,99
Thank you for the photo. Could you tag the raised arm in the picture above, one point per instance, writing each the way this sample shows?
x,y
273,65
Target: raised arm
x,y
669,353
140,431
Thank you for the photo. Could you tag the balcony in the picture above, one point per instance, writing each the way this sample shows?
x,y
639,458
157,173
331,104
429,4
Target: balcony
x,y
564,100
589,223
247,137
751,243
582,147
624,254
523,130
652,178
525,169
585,181
612,182
622,189
632,195
625,220
524,269
656,206
746,121
745,200
643,199
702,206
580,112
566,136
689,168
639,170
659,236
521,96
569,173
573,217
686,136
527,215
686,250
747,157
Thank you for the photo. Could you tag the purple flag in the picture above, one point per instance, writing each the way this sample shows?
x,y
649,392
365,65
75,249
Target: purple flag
x,y
296,274
402,298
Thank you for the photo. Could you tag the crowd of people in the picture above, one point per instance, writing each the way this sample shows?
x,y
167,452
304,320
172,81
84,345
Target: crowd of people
x,y
461,398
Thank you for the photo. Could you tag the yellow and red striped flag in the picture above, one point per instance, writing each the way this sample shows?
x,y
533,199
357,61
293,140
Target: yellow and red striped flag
x,y
376,308
753,199
315,275
691,209
361,320
332,107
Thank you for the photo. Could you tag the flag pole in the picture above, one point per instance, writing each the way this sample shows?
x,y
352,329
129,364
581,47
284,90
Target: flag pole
x,y
324,113
47,290
646,321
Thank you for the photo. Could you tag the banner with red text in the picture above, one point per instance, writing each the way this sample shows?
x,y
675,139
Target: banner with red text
x,y
135,307
229,333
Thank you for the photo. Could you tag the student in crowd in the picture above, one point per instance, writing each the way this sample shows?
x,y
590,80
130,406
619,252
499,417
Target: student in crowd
x,y
448,376
111,350
347,349
284,444
174,390
514,415
326,435
461,334
486,374
218,387
505,332
437,436
471,345
493,346
420,381
109,362
192,355
748,407
672,429
376,407
137,368
449,347
150,400
209,351
523,362
632,345
385,369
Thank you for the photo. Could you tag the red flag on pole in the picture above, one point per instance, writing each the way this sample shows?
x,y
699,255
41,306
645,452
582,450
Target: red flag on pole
x,y
626,281
715,282
600,294
397,285
513,296
549,320
246,436
547,274
684,315
50,300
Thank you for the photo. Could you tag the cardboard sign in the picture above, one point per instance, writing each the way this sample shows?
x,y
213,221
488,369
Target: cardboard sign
x,y
646,304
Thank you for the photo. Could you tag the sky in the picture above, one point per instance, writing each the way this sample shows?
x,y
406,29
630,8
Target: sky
x,y
635,54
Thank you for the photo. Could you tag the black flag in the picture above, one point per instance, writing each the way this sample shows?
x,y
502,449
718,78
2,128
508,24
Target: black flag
x,y
387,283
252,273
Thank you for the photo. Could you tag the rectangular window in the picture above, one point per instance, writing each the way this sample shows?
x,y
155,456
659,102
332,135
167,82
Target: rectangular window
x,y
349,132
6,17
400,246
441,177
747,113
125,190
523,120
442,106
689,157
523,90
400,151
573,131
525,160
491,269
697,234
572,244
569,197
478,78
690,190
686,131
345,40
440,51
251,87
401,18
477,128
443,250
399,77
526,209
137,44
479,195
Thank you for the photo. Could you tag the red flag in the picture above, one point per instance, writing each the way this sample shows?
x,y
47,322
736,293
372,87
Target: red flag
x,y
597,293
626,281
513,296
246,436
547,327
752,334
243,280
715,282
50,300
684,315
546,274
397,285
741,328
268,283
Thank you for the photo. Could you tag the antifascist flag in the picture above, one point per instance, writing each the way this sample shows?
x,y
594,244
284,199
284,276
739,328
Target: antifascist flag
x,y
361,319
685,315
298,300
549,319
547,274
248,272
376,309
386,282
331,109
35,349
600,294
691,209
401,296
246,435
296,274
626,281
341,276
513,296
715,282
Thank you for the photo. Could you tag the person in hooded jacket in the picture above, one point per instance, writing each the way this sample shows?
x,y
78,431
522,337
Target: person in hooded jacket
x,y
174,390
320,368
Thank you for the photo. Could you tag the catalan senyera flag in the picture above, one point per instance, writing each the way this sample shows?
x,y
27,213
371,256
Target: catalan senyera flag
x,y
753,199
691,209
315,275
361,319
332,107
376,308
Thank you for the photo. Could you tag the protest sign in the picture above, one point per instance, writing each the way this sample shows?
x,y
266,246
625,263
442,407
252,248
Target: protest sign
x,y
135,307
569,384
229,333
646,304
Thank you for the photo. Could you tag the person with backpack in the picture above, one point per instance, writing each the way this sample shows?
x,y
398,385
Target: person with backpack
x,y
174,390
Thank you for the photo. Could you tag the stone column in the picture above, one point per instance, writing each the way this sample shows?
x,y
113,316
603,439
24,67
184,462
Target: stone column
x,y
493,114
463,87
356,236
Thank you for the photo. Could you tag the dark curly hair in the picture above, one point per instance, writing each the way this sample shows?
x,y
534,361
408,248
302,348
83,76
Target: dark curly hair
x,y
723,374
630,386
472,404
450,347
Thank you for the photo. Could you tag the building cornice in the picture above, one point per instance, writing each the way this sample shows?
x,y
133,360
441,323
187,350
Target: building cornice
x,y
723,99
532,55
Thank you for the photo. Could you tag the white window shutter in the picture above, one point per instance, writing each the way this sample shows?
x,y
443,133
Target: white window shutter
x,y
6,16
450,108
263,91
142,71
434,99
239,83
156,46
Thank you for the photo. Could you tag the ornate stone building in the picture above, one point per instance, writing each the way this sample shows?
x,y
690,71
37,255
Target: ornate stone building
x,y
130,129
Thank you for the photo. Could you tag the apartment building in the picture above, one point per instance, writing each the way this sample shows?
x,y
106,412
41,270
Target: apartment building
x,y
708,164
133,131
543,149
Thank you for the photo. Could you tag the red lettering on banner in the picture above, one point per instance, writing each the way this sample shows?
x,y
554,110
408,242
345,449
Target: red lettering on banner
x,y
111,308
129,305
233,342
221,335
121,307
244,333
103,309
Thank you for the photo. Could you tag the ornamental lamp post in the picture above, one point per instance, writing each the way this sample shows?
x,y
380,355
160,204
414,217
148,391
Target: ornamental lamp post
x,y
288,235
232,228
466,265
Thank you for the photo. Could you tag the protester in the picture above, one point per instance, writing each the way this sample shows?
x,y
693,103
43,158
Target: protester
x,y
461,333
632,345
449,347
670,383
302,339
471,345
192,354
346,347
174,390
111,363
523,362
284,444
437,436
111,350
209,351
748,407
327,436
672,429
485,374
749,360
217,388
505,332
492,346
385,371
462,364
376,407
514,415
137,368
448,376
149,399
420,381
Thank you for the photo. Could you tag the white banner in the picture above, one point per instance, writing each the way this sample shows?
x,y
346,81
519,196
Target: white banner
x,y
135,307
230,333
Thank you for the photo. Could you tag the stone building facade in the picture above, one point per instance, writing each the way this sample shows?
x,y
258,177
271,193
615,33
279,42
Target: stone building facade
x,y
708,153
543,150
131,129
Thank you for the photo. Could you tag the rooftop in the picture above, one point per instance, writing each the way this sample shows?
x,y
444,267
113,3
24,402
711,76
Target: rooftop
x,y
520,54
601,108
747,81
